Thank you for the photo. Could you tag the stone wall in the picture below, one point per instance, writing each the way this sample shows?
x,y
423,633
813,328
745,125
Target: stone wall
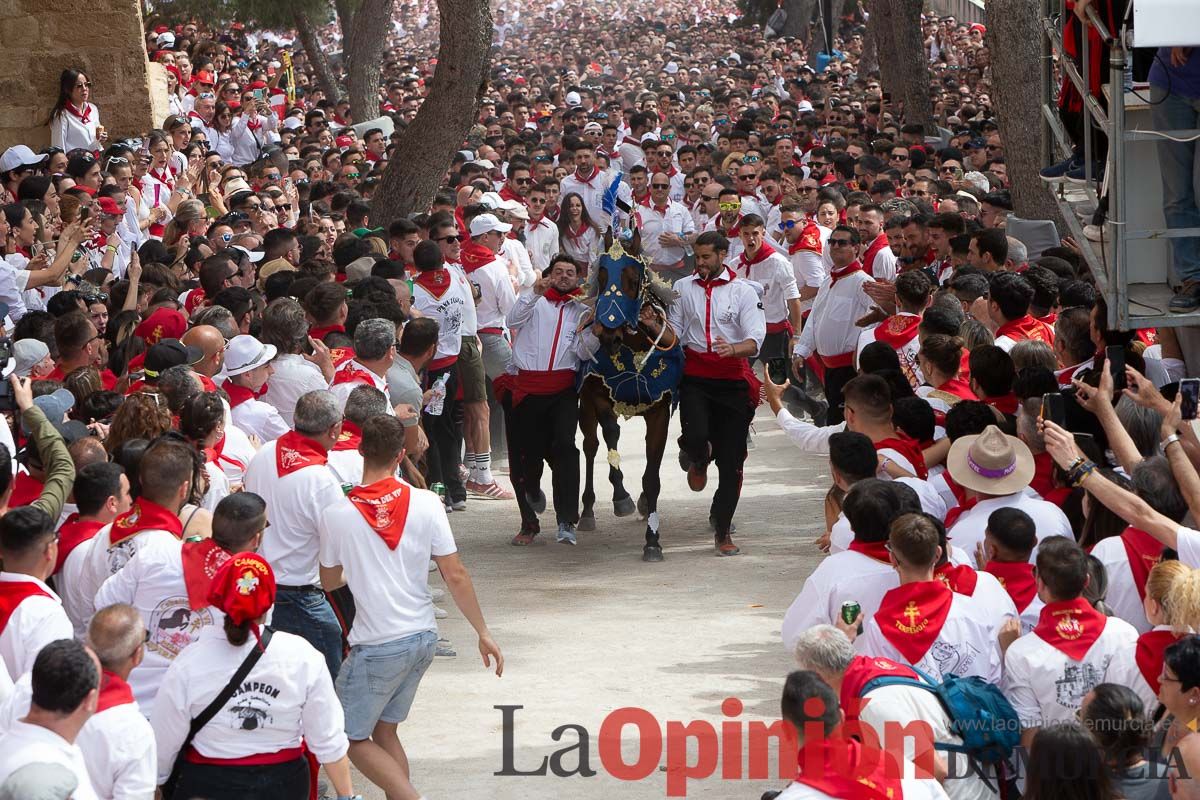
x,y
41,38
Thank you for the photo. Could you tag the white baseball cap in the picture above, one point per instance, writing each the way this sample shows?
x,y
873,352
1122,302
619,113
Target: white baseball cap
x,y
648,137
18,156
255,255
491,200
243,353
479,226
573,99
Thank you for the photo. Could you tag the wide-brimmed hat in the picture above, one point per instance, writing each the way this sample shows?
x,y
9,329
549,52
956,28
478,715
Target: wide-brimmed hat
x,y
992,462
244,352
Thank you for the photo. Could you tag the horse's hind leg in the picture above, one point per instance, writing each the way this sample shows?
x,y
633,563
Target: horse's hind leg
x,y
658,418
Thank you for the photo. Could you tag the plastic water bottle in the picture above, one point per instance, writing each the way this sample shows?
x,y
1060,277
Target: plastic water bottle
x,y
437,400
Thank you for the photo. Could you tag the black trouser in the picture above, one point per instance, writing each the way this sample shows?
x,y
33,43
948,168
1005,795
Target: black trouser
x,y
835,379
445,438
546,426
516,468
716,414
286,781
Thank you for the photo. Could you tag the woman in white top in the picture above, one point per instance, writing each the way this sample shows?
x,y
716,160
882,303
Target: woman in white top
x,y
74,122
577,235
253,748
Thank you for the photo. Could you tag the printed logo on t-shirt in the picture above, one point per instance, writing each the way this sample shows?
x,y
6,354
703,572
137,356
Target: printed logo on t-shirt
x,y
953,659
252,706
174,625
1077,680
120,554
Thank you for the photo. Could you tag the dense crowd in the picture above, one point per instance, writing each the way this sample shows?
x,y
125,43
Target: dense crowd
x,y
245,408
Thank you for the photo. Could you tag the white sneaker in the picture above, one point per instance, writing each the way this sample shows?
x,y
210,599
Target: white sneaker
x,y
439,612
438,594
1093,233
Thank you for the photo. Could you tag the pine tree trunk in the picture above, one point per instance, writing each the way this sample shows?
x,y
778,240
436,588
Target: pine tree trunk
x,y
881,25
912,64
1014,38
431,139
800,13
364,54
316,56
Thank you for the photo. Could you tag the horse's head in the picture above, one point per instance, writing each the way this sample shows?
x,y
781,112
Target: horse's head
x,y
619,278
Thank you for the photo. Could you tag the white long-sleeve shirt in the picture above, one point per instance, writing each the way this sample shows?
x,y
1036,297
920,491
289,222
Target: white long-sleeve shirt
x,y
37,621
546,335
728,309
774,274
831,330
71,133
541,241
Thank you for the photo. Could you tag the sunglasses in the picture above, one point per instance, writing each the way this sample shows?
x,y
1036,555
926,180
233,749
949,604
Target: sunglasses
x,y
660,186
730,206
522,181
839,242
450,239
788,224
751,160
351,175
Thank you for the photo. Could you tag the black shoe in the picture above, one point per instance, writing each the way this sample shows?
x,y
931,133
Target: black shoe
x,y
1188,298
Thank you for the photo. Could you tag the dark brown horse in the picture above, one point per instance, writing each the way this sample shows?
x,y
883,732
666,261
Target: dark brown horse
x,y
630,375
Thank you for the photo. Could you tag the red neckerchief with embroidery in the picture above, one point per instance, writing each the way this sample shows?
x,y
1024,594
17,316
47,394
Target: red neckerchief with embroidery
x,y
73,533
435,281
13,593
201,560
319,332
384,506
863,670
114,691
352,372
1017,579
84,115
875,550
911,616
144,516
1143,551
959,388
909,448
1049,319
1148,654
837,275
1026,328
240,394
961,579
475,255
1070,626
898,330
294,451
810,240
848,770
349,438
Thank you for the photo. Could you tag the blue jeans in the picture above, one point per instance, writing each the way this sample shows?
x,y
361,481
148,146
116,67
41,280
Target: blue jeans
x,y
379,681
1180,176
308,614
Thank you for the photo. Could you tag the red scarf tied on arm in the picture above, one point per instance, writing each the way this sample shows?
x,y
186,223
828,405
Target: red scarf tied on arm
x,y
912,615
384,506
1071,626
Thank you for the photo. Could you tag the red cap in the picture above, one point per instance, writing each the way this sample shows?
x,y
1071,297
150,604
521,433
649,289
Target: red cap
x,y
978,27
519,81
204,76
344,141
243,588
109,206
161,29
165,323
258,85
237,26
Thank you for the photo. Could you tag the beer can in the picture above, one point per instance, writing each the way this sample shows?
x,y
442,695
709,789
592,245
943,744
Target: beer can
x,y
850,611
439,489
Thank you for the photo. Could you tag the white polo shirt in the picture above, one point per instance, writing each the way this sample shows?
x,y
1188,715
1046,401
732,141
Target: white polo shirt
x,y
673,218
1048,520
32,744
390,587
496,295
104,560
287,696
295,503
36,621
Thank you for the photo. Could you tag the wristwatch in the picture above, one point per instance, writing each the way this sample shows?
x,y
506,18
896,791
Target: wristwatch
x,y
1167,442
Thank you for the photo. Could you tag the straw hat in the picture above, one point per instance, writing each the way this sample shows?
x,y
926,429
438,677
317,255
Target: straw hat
x,y
992,462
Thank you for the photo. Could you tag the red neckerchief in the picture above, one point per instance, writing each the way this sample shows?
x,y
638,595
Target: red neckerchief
x,y
1143,551
588,180
294,451
165,176
217,451
200,563
961,579
384,506
1043,474
764,252
1148,654
508,194
809,240
733,232
98,241
26,488
1148,335
475,255
909,448
240,394
1006,403
868,259
350,373
1070,626
648,203
1017,579
846,769
144,516
195,299
341,355
85,116
963,507
73,533
13,593
708,284
898,330
1049,319
911,616
556,297
959,388
319,332
875,550
90,191
1026,328
837,275
113,692
863,670
349,438
435,281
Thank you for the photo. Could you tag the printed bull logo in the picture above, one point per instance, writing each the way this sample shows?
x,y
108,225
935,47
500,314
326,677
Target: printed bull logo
x,y
174,625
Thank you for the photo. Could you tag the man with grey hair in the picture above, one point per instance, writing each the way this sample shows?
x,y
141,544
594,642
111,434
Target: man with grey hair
x,y
285,326
1018,255
291,475
117,741
374,352
827,651
362,403
218,317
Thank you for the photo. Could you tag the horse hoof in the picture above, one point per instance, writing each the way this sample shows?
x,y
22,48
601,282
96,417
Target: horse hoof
x,y
624,507
586,523
652,554
537,501
643,506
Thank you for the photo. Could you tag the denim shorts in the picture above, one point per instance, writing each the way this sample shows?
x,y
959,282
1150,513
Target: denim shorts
x,y
377,682
496,354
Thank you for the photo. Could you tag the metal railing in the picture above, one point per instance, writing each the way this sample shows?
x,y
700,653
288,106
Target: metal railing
x,y
1110,261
